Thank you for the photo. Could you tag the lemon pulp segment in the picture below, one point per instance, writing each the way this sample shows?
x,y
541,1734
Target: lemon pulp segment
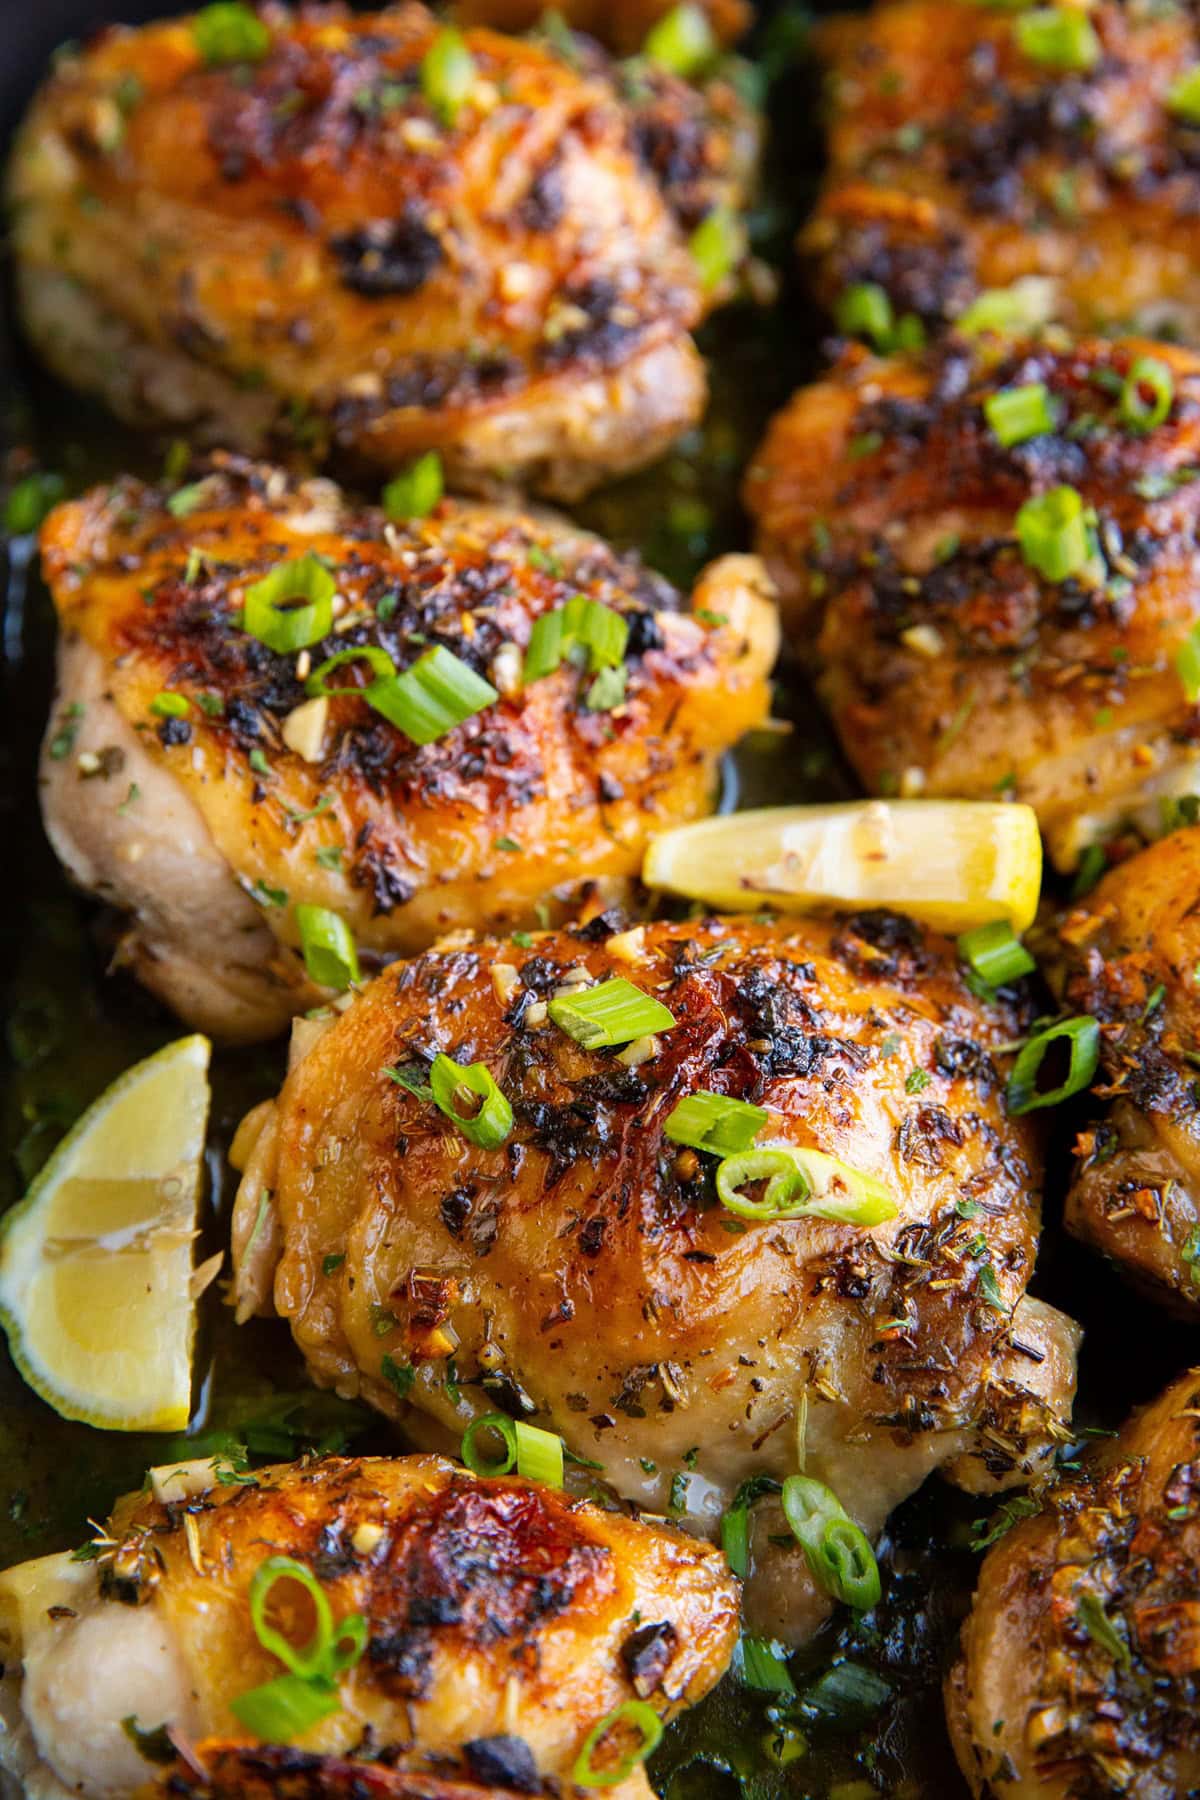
x,y
953,864
96,1261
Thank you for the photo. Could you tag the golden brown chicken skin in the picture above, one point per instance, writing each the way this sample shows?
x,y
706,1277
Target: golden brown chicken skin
x,y
1129,956
584,1271
315,245
887,507
211,823
503,1620
960,163
1077,1672
621,24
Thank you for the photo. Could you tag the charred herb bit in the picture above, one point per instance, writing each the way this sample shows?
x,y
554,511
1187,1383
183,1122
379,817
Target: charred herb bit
x,y
153,1746
383,1320
63,741
411,1078
399,1376
986,1532
1089,1610
677,1501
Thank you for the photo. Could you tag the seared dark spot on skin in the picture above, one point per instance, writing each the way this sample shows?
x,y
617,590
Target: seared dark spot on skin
x,y
503,1761
387,257
647,1654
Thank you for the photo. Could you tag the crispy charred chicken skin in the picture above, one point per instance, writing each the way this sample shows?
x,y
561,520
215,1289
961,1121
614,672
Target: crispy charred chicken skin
x,y
211,823
1129,953
584,1272
503,1621
888,507
316,245
960,161
1077,1673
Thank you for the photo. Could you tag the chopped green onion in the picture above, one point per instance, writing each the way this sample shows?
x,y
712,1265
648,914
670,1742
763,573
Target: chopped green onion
x,y
1133,409
447,74
539,1454
1187,664
330,1650
1009,311
328,946
1058,37
717,246
847,1693
228,32
492,1121
582,625
285,1708
415,492
802,1184
1094,860
429,699
735,1521
682,41
30,500
1053,533
167,705
648,1725
607,691
865,310
1082,1034
313,1658
1183,97
758,1664
714,1122
1017,414
995,954
838,1552
475,1460
292,607
614,1012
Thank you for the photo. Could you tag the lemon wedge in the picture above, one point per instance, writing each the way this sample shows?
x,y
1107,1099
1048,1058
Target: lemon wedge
x,y
953,864
96,1261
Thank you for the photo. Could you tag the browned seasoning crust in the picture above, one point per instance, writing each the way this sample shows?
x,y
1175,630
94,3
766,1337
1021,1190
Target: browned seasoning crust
x,y
1077,1673
220,1771
886,509
585,1271
507,813
958,163
305,246
1130,956
495,1610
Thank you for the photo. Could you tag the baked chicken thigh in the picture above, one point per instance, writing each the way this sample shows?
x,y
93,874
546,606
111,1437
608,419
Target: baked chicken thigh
x,y
1130,955
973,147
498,1622
192,777
359,230
1077,1674
990,552
582,1270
